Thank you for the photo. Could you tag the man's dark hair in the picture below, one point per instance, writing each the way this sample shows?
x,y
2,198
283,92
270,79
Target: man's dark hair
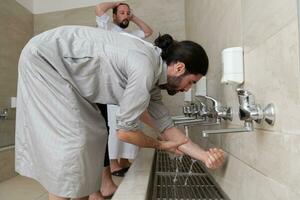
x,y
190,53
115,9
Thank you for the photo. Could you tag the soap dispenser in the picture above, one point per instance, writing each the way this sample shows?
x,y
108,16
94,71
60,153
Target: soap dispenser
x,y
233,66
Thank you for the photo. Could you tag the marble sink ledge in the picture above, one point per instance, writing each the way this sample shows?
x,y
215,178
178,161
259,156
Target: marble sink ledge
x,y
135,183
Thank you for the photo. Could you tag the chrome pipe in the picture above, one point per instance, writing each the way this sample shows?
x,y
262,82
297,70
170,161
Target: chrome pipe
x,y
248,127
182,117
188,122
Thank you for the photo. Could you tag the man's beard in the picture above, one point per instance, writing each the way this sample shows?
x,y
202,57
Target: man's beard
x,y
124,24
172,84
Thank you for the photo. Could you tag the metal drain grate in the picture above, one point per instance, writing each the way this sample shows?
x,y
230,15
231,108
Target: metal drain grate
x,y
165,164
196,185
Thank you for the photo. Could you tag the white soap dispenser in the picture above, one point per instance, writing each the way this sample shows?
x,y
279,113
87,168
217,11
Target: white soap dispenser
x,y
233,66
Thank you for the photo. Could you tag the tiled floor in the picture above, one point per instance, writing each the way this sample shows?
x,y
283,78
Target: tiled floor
x,y
22,188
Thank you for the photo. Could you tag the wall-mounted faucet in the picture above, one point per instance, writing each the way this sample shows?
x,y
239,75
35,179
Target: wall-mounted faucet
x,y
248,112
3,114
199,113
217,110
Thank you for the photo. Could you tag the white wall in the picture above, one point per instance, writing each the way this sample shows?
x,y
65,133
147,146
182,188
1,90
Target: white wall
x,y
27,4
45,6
264,164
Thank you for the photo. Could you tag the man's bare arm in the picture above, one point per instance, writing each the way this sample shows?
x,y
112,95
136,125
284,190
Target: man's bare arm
x,y
104,7
142,25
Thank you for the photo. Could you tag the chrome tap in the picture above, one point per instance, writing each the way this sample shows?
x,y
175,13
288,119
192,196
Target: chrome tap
x,y
248,112
191,110
4,113
199,114
217,110
194,114
195,110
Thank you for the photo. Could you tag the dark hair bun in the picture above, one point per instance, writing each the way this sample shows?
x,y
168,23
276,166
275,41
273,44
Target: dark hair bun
x,y
163,42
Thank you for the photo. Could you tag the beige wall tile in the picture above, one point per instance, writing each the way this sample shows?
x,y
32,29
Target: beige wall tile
x,y
7,164
215,25
240,181
263,164
262,19
165,16
272,74
16,29
79,16
274,155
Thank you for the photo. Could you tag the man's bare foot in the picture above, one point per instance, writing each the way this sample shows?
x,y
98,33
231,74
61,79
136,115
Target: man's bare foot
x,y
114,165
108,189
124,163
96,196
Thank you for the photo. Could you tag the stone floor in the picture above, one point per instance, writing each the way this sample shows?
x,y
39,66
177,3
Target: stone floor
x,y
22,188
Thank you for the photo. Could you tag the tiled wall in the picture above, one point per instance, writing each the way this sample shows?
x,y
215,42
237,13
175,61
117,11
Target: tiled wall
x,y
16,28
165,16
7,163
263,164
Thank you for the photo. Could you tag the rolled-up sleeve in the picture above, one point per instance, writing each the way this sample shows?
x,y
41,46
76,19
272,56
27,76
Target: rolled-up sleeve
x,y
158,111
136,96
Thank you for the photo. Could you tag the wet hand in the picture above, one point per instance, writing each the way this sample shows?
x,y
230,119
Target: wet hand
x,y
214,159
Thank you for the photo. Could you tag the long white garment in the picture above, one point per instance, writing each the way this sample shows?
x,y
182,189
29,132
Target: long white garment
x,y
60,137
60,133
116,148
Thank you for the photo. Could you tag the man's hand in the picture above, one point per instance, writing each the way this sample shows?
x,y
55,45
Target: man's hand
x,y
141,24
116,4
102,8
132,16
214,158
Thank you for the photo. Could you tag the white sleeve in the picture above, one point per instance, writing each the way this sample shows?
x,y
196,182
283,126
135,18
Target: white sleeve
x,y
102,21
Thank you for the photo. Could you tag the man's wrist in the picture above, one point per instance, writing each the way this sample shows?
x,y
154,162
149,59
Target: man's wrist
x,y
157,145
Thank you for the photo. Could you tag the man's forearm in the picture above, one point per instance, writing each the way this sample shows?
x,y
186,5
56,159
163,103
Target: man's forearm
x,y
142,25
147,119
104,7
137,138
189,148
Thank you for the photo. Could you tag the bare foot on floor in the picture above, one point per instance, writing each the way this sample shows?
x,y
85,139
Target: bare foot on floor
x,y
108,189
96,196
124,163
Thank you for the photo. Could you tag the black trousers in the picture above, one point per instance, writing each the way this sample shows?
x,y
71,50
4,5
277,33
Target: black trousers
x,y
103,109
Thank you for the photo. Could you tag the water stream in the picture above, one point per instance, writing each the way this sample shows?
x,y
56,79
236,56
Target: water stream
x,y
178,160
190,171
